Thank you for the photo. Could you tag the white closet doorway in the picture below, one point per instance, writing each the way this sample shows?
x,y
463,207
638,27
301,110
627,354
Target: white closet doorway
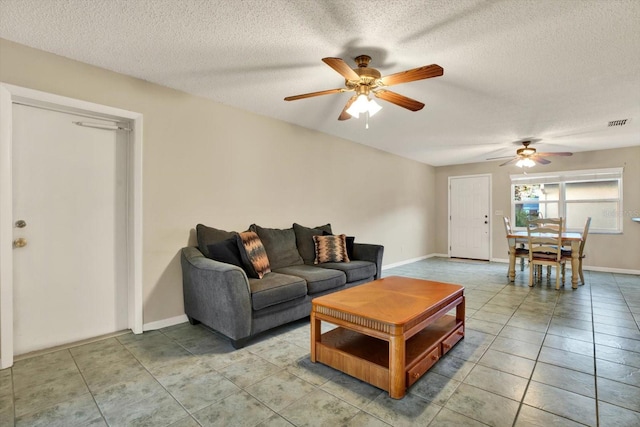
x,y
73,252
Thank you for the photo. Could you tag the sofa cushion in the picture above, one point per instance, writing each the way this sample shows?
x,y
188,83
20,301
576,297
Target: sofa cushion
x,y
331,249
355,270
226,251
318,279
304,240
254,257
350,240
275,288
280,246
208,235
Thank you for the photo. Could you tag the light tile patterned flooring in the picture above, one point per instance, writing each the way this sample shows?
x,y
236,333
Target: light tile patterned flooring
x,y
531,356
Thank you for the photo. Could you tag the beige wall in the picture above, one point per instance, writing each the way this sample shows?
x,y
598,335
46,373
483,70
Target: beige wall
x,y
614,251
206,162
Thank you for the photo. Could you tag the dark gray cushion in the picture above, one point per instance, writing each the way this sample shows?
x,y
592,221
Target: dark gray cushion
x,y
355,270
318,279
275,288
280,246
208,235
226,251
304,240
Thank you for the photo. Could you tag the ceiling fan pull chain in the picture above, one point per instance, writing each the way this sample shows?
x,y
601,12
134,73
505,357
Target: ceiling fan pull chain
x,y
366,125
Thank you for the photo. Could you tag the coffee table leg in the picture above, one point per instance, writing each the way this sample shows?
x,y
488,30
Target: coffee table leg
x,y
460,311
397,377
315,335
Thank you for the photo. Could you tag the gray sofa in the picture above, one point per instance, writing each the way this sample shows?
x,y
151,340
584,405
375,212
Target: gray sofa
x,y
221,295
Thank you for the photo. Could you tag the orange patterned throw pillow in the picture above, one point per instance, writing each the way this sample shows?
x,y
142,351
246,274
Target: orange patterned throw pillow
x,y
253,255
330,249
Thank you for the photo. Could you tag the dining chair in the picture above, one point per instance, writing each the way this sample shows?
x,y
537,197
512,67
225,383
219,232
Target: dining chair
x,y
545,246
566,253
521,252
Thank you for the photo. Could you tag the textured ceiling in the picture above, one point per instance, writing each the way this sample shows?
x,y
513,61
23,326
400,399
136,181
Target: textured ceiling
x,y
553,70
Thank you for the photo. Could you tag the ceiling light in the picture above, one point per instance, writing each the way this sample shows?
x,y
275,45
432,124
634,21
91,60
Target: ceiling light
x,y
525,163
363,105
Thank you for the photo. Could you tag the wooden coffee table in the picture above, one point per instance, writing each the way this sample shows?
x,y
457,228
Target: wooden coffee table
x,y
390,331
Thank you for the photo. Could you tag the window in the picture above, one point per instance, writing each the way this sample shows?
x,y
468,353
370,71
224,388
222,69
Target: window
x,y
573,195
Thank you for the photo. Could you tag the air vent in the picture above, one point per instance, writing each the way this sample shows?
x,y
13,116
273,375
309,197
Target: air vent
x,y
618,122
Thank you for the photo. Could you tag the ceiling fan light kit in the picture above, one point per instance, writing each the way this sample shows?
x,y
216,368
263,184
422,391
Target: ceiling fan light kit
x,y
365,80
363,104
525,163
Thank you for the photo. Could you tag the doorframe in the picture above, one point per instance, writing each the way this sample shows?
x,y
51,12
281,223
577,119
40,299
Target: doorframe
x,y
490,210
9,96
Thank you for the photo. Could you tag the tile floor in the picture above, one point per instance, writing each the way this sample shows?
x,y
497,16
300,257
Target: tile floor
x,y
531,356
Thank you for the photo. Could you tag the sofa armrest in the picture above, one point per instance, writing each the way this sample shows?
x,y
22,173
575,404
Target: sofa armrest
x,y
369,252
216,294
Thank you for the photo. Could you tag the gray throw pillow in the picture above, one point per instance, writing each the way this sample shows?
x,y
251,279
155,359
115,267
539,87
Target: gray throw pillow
x,y
208,236
304,240
280,245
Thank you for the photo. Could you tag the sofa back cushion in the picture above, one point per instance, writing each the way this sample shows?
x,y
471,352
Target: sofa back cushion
x,y
280,246
208,235
304,240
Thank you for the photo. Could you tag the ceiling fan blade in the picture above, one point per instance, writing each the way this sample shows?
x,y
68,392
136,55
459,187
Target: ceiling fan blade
x,y
509,161
563,153
540,160
400,100
500,158
344,115
341,67
419,73
312,94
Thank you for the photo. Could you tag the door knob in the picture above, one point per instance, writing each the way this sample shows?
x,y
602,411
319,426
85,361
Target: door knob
x,y
20,243
21,223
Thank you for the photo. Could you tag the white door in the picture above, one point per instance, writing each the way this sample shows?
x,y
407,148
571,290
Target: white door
x,y
469,214
69,206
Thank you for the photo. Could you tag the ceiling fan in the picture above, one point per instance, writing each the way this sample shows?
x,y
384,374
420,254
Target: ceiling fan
x,y
528,156
365,80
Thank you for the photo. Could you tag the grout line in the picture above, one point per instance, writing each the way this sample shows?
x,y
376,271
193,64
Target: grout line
x,y
526,389
87,385
595,364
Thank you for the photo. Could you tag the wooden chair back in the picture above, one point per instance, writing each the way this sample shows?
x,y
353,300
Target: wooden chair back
x,y
507,225
545,240
585,233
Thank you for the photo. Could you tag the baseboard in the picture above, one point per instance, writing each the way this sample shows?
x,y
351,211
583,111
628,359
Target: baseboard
x,y
409,261
610,270
584,267
159,324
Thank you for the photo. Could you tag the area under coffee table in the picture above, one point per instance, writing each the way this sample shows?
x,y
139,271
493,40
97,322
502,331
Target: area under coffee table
x,y
390,331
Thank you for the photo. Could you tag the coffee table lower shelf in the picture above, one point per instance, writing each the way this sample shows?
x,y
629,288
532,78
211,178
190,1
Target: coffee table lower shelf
x,y
367,358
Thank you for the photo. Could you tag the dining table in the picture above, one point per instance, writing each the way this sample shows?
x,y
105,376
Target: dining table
x,y
571,239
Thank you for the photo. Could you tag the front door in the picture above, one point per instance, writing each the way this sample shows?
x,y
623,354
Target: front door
x,y
70,229
469,217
